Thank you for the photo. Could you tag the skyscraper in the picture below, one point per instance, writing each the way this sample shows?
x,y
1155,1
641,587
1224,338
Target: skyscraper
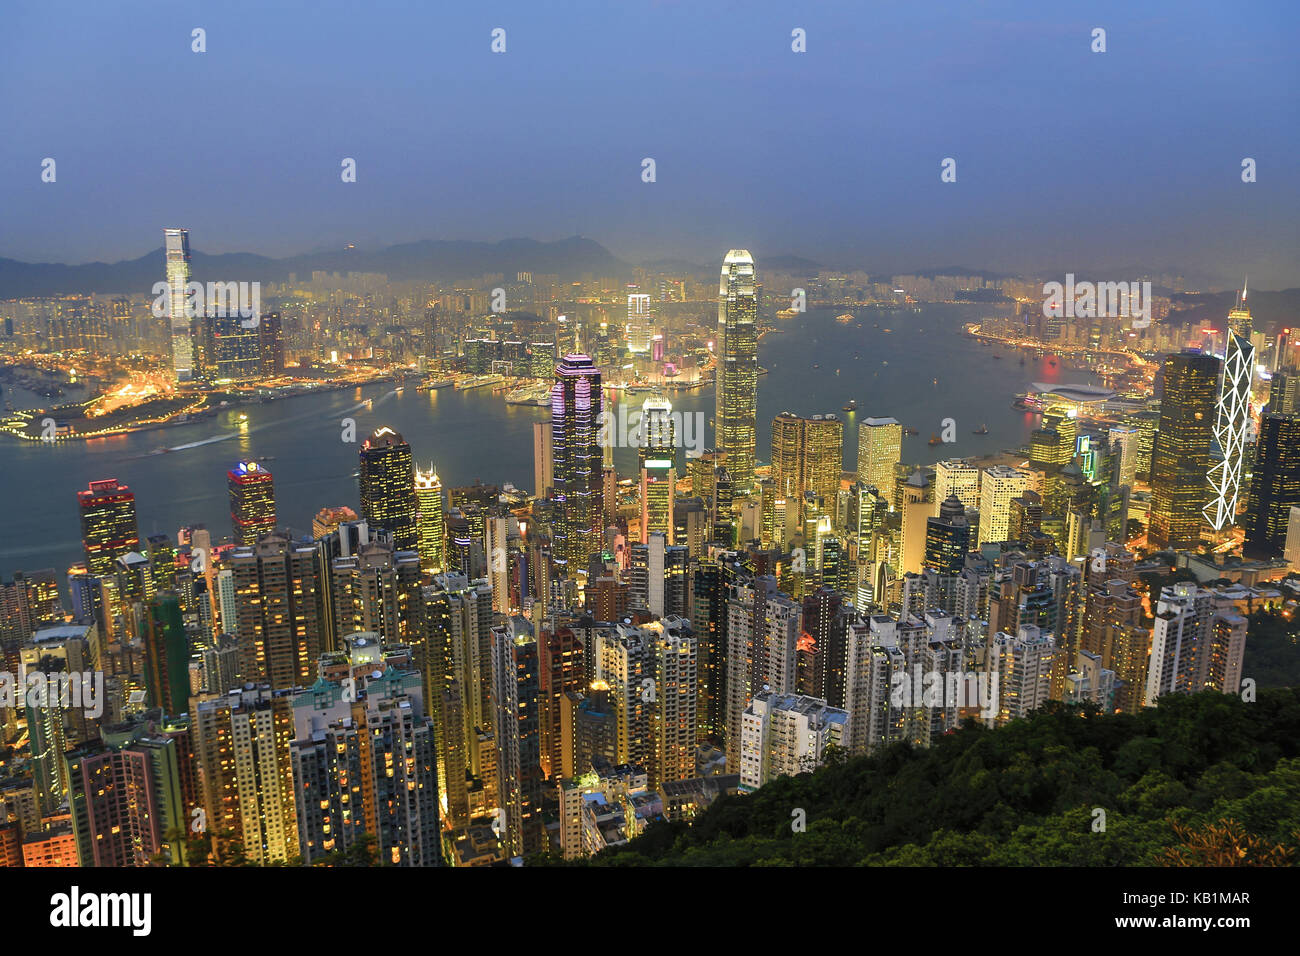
x,y
639,324
1232,419
736,380
658,468
430,529
577,461
388,487
807,455
252,501
998,486
947,537
880,446
177,246
1275,486
108,525
1180,458
279,609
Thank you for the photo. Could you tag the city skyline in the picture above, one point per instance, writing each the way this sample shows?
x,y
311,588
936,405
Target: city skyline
x,y
764,536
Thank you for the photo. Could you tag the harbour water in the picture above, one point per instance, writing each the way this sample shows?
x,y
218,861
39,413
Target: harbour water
x,y
921,371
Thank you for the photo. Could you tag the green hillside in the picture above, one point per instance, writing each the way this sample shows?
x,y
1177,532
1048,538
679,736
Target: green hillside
x,y
1204,779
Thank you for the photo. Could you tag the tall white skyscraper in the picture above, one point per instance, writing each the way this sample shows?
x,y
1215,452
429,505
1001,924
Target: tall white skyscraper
x,y
177,246
640,327
736,381
1232,421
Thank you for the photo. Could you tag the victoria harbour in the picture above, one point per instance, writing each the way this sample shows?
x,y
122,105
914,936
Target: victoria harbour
x,y
921,371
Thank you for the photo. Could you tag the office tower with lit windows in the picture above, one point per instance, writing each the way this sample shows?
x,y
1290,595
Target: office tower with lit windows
x,y
458,648
956,476
1232,420
577,461
736,389
1180,457
252,501
516,694
241,749
387,486
270,346
108,525
916,502
231,349
1274,488
999,484
176,244
280,609
807,455
640,325
948,538
430,527
542,466
656,455
880,448
562,672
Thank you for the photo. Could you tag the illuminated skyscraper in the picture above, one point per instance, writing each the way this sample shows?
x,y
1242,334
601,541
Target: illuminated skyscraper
x,y
1275,486
252,501
736,381
639,324
430,529
1180,458
388,487
577,461
1232,419
999,485
807,455
177,245
880,446
108,525
658,468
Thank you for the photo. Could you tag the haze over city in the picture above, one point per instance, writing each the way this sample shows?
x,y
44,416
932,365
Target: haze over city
x,y
1067,160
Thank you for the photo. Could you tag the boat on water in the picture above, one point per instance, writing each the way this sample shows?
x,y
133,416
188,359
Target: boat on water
x,y
1052,362
845,319
934,439
996,356
910,431
982,430
852,406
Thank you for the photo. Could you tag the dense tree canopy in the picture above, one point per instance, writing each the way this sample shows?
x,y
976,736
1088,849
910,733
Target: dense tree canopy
x,y
1200,778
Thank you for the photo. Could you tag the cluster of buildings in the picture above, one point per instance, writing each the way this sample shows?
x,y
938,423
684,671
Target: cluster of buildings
x,y
471,676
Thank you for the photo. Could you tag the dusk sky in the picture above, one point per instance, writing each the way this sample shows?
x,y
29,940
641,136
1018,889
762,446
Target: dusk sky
x,y
1066,159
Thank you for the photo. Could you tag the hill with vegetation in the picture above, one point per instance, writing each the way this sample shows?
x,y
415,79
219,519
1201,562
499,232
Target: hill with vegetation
x,y
1205,779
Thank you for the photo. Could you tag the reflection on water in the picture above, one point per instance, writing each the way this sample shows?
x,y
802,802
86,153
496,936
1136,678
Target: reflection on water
x,y
472,434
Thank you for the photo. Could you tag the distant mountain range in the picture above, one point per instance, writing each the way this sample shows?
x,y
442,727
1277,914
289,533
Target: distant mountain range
x,y
431,260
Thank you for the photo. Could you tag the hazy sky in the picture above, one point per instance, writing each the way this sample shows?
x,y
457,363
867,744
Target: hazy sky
x,y
1066,159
